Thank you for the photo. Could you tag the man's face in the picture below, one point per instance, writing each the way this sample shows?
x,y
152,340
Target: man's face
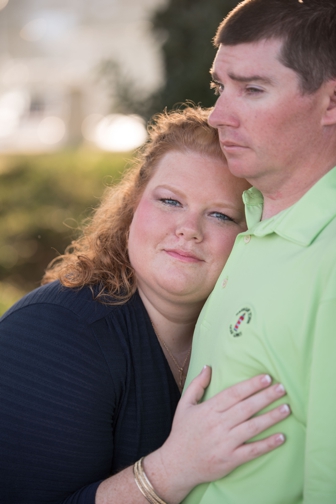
x,y
267,128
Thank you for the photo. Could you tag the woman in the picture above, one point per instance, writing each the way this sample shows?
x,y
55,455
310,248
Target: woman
x,y
93,362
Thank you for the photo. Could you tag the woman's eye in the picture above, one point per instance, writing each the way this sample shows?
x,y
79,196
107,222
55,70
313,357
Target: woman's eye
x,y
170,201
217,87
221,216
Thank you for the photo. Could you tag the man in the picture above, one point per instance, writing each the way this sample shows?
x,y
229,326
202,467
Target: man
x,y
274,306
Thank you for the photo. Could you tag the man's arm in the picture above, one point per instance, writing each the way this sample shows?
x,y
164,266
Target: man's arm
x,y
320,456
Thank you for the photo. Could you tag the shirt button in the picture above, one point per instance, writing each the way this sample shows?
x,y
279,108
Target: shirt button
x,y
224,283
247,238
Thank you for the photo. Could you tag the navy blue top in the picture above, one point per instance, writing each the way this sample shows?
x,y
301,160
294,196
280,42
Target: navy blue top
x,y
85,391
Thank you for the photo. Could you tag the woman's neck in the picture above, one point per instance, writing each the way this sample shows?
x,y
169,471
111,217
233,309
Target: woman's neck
x,y
174,325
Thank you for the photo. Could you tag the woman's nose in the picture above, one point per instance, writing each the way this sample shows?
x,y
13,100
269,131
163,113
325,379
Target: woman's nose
x,y
190,228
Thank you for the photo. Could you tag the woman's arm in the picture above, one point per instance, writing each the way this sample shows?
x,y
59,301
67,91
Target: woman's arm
x,y
207,441
57,407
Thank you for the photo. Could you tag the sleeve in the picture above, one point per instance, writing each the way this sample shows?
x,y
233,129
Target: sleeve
x,y
320,456
57,406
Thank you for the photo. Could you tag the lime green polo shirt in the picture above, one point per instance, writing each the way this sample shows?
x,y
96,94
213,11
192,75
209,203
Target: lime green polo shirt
x,y
273,310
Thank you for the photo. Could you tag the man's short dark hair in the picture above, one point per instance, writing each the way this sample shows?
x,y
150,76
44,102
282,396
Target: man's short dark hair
x,y
306,27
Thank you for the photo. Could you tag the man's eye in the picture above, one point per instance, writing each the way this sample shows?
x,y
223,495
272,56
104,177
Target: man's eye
x,y
252,90
221,216
217,87
170,202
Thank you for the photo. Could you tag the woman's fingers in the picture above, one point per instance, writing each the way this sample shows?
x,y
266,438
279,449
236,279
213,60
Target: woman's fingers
x,y
250,451
248,407
195,391
231,396
209,439
254,426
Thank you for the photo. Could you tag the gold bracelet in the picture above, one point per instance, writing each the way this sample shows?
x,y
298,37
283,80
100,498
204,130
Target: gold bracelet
x,y
144,484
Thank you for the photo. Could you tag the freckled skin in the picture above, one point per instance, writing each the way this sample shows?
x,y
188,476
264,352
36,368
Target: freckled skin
x,y
271,133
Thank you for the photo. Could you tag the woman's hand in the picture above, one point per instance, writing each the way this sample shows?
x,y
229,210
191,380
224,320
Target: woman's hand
x,y
208,439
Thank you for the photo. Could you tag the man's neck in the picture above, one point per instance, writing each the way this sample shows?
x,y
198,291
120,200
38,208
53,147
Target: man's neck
x,y
281,196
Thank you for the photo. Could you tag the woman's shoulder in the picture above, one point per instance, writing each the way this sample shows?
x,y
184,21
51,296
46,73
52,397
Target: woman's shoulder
x,y
81,304
56,297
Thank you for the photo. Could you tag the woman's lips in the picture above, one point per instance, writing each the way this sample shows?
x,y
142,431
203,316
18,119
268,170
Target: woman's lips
x,y
183,255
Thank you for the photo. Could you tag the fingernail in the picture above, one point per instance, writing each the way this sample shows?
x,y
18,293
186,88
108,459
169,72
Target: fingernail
x,y
280,388
279,439
285,409
266,379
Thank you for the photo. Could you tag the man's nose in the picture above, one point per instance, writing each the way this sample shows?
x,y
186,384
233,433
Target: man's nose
x,y
224,112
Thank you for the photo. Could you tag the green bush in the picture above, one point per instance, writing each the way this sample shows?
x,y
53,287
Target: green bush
x,y
43,199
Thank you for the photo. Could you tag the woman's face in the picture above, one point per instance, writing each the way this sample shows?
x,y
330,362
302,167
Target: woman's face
x,y
184,227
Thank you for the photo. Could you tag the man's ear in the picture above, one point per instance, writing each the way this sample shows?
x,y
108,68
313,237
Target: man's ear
x,y
329,117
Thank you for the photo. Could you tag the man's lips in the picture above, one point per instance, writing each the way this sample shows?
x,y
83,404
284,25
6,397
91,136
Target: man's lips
x,y
183,255
227,145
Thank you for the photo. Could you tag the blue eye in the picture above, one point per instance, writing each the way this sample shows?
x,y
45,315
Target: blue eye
x,y
170,202
221,217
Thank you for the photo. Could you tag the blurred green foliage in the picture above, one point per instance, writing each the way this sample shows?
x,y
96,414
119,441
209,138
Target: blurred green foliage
x,y
187,28
43,200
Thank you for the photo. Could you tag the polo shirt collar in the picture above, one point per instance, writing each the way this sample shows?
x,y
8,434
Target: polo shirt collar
x,y
301,222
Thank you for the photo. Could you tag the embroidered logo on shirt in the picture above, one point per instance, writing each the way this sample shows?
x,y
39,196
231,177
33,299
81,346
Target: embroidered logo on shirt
x,y
242,318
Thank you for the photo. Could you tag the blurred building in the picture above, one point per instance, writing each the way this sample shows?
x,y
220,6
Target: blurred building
x,y
51,90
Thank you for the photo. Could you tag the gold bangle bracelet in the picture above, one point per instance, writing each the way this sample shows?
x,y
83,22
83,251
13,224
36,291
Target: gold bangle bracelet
x,y
144,484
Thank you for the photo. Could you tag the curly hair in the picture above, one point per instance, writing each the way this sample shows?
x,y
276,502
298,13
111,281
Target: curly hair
x,y
99,257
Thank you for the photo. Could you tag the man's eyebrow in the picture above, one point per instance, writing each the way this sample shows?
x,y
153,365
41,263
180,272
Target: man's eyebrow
x,y
249,78
213,74
240,78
